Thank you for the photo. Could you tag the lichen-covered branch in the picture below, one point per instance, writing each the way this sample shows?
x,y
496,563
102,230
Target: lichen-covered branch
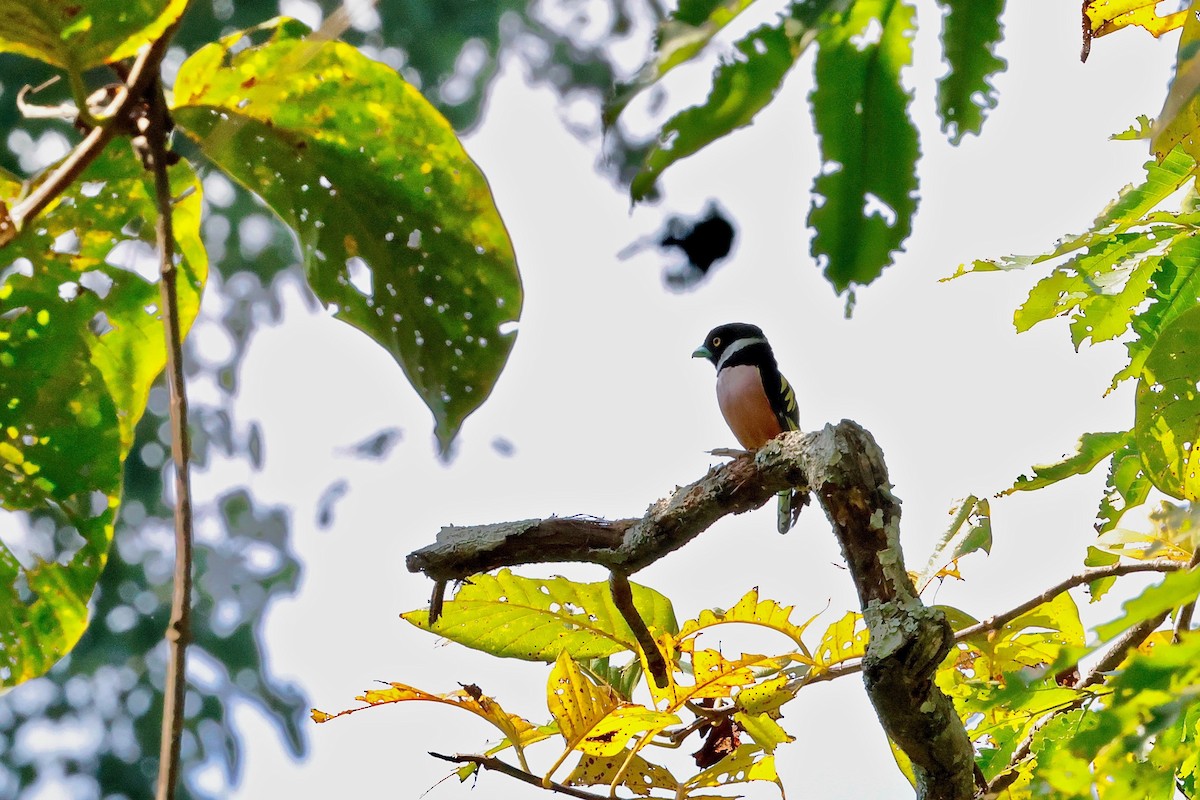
x,y
843,467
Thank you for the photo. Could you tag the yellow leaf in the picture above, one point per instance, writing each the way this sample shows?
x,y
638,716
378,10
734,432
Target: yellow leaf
x,y
639,775
764,730
1107,16
843,640
766,697
592,718
748,763
752,611
320,716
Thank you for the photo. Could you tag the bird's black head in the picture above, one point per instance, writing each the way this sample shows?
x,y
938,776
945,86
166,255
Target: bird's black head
x,y
722,337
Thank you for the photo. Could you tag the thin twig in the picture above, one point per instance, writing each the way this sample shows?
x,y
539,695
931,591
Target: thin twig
x,y
622,595
179,632
998,621
1183,621
143,73
496,765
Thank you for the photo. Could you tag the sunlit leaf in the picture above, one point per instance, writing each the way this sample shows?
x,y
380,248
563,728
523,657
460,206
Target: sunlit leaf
x,y
1091,450
764,730
748,763
1167,422
742,86
591,718
752,611
969,38
1175,589
77,35
639,775
1179,119
1172,535
1100,558
1127,486
536,619
866,193
516,730
397,227
766,697
1106,16
970,530
843,640
81,341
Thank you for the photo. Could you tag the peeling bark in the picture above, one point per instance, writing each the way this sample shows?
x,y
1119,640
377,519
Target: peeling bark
x,y
844,468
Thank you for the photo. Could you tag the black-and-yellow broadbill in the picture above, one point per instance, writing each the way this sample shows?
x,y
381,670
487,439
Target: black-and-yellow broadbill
x,y
756,400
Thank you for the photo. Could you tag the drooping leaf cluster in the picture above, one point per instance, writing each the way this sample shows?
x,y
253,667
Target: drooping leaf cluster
x,y
865,195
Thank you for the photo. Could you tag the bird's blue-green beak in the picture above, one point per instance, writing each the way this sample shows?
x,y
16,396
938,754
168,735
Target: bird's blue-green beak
x,y
702,352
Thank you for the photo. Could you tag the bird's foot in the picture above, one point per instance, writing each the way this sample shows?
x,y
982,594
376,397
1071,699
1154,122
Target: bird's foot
x,y
731,452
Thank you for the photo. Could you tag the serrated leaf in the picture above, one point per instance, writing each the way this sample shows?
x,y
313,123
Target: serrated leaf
x,y
516,729
1179,119
1090,451
1127,486
1163,178
77,35
536,619
679,38
969,38
638,776
764,730
591,718
1167,420
1099,558
397,226
766,697
81,341
747,763
742,86
866,194
750,610
1106,16
843,640
970,530
1175,589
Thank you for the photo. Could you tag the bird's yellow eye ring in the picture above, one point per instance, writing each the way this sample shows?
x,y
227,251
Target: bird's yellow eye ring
x,y
716,342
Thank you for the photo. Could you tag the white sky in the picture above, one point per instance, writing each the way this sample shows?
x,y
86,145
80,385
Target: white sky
x,y
608,412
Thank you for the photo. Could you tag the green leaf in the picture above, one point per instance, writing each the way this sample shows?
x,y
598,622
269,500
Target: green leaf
x,y
1099,558
679,39
741,88
1091,450
536,619
970,530
397,226
80,344
866,194
1127,486
1135,201
1179,121
1167,421
969,39
77,35
1175,589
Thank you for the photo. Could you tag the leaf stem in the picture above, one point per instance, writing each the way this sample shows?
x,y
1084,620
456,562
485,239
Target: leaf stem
x,y
495,764
179,630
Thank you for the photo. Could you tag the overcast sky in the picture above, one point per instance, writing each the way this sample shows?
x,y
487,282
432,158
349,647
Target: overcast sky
x,y
606,411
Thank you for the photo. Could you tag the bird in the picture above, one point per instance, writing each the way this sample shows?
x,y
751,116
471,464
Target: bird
x,y
756,400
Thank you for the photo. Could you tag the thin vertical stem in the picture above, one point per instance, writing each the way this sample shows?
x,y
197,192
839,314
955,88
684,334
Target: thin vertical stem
x,y
179,631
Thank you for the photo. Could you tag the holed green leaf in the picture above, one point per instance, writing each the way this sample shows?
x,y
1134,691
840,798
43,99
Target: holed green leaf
x,y
969,39
866,194
81,341
397,226
1167,422
77,35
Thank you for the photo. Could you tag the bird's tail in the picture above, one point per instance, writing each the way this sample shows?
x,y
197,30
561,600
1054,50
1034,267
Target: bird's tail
x,y
790,503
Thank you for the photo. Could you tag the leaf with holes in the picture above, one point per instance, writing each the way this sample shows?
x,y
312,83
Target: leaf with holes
x,y
750,610
1179,121
536,619
844,640
970,35
397,226
748,763
629,770
1167,420
866,194
80,344
1103,17
77,35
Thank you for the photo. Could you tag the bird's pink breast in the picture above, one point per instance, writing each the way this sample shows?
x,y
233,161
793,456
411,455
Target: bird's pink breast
x,y
744,405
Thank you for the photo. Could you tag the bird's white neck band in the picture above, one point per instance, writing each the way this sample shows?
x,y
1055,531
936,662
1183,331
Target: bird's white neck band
x,y
740,344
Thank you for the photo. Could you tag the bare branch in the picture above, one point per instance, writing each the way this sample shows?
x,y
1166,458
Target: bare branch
x,y
622,595
998,621
495,764
179,630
